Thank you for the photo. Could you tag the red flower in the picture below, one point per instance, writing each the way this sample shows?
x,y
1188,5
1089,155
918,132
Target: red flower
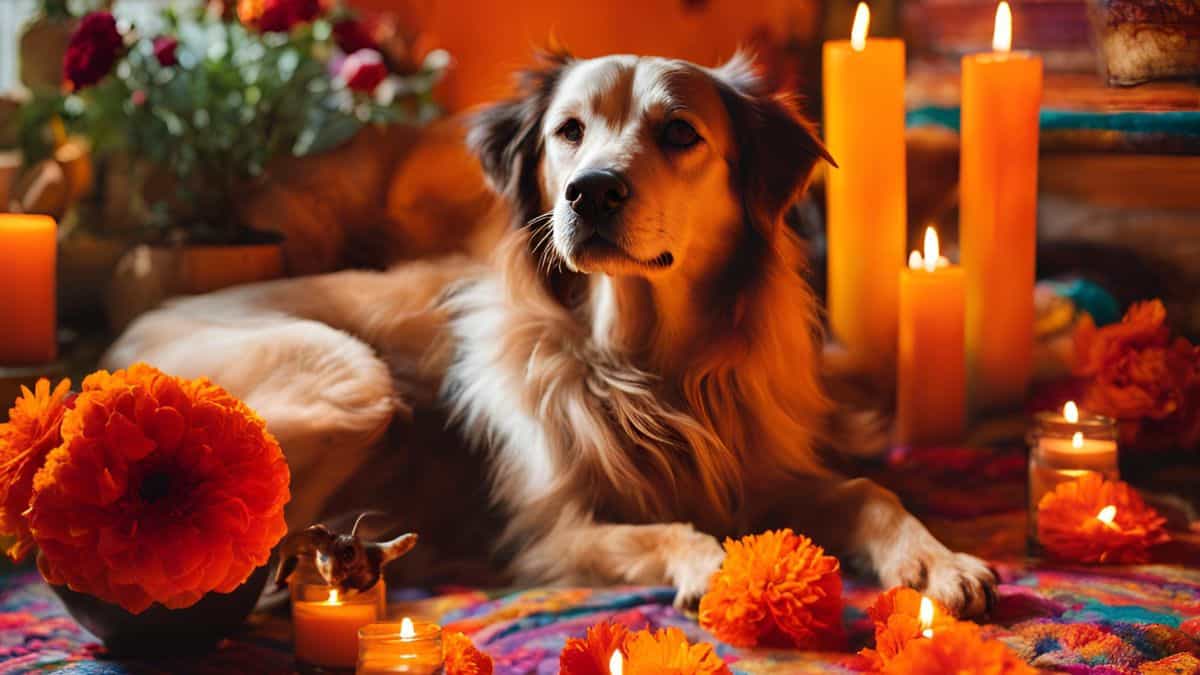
x,y
277,16
591,654
164,50
163,490
30,433
352,35
363,70
1069,526
92,51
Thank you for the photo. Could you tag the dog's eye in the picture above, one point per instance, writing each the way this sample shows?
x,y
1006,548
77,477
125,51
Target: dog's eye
x,y
571,131
680,134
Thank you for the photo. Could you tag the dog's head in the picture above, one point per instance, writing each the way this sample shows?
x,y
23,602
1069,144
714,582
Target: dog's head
x,y
645,166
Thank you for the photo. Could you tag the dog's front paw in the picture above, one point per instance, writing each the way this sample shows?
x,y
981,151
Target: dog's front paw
x,y
961,582
691,567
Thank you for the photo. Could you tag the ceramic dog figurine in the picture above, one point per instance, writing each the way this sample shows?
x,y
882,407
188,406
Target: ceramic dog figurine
x,y
344,561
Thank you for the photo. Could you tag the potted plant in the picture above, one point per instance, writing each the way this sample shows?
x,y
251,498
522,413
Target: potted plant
x,y
193,113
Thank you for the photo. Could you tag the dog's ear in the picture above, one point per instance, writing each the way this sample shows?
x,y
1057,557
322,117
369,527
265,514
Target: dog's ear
x,y
777,147
506,136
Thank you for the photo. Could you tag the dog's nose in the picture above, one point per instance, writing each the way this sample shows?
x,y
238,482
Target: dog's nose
x,y
598,192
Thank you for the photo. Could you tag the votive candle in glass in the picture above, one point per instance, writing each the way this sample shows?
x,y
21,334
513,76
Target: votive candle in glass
x,y
1063,446
413,647
326,621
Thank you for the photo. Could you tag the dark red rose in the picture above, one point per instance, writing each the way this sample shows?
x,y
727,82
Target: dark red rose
x,y
278,16
363,70
352,35
92,51
164,50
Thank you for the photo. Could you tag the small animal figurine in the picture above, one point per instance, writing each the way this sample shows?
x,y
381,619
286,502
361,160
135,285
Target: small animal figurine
x,y
344,561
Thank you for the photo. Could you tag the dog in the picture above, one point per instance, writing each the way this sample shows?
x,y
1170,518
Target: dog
x,y
639,362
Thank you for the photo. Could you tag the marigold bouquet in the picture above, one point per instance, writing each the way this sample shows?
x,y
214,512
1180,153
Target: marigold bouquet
x,y
1137,374
141,488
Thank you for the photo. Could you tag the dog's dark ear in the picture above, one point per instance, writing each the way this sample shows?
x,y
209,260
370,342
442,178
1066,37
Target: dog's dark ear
x,y
506,136
777,147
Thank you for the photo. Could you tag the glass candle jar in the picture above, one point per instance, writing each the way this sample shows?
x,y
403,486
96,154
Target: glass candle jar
x,y
1065,446
326,621
413,647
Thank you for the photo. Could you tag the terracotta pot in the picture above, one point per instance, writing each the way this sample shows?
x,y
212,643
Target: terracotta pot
x,y
162,631
147,275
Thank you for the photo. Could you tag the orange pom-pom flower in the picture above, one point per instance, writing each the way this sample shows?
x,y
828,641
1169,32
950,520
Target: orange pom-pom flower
x,y
959,648
668,652
31,432
775,589
591,654
898,620
463,657
1093,520
163,490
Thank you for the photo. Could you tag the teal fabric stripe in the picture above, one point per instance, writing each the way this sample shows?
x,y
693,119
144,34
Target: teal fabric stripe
x,y
1174,123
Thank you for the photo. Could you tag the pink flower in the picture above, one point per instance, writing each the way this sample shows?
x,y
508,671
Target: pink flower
x,y
138,97
92,51
363,70
164,50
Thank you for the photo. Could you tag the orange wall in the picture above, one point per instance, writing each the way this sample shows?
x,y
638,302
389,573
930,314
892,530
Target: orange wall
x,y
491,38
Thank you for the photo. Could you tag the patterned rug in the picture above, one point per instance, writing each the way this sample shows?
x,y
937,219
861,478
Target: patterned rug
x,y
1084,620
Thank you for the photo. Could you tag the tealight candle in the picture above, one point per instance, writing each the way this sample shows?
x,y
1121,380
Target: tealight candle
x,y
1065,446
1001,95
925,616
864,131
932,383
325,623
407,647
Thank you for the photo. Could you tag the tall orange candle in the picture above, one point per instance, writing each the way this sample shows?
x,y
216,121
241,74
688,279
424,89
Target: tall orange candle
x,y
1001,93
864,131
27,259
932,383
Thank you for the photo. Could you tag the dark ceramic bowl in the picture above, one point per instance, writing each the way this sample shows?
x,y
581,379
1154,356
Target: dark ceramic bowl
x,y
162,631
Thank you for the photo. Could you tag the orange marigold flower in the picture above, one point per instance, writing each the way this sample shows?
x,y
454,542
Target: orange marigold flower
x,y
31,432
463,657
668,652
1144,325
896,615
163,490
960,648
1076,523
775,589
590,655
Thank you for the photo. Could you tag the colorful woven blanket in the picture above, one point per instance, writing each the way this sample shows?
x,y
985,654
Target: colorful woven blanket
x,y
1085,620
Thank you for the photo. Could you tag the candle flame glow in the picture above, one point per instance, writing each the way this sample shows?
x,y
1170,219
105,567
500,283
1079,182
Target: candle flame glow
x,y
1077,440
1106,515
931,249
1071,412
1002,35
407,630
615,664
925,616
333,596
914,261
858,32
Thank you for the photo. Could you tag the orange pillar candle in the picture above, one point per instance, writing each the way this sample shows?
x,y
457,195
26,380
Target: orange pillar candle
x,y
1001,93
864,131
932,384
27,260
325,628
412,647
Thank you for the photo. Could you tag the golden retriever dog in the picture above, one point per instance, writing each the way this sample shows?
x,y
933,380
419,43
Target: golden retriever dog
x,y
638,365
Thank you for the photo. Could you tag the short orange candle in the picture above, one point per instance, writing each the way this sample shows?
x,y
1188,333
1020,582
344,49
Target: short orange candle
x,y
326,631
864,131
27,259
932,382
412,647
1001,93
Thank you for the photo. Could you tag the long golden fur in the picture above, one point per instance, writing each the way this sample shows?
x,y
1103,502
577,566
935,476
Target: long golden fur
x,y
642,370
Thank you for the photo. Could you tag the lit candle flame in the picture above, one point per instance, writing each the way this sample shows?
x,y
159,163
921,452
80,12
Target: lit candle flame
x,y
1077,440
1071,412
333,597
925,616
1106,516
858,33
914,261
1002,35
931,249
407,630
616,666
